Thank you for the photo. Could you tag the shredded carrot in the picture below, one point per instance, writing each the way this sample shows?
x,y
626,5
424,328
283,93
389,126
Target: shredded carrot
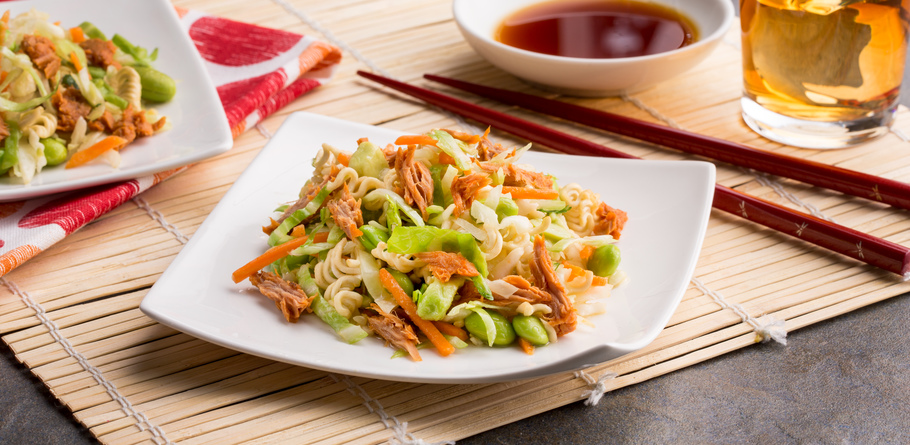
x,y
419,139
575,271
57,23
526,346
271,227
526,193
362,140
77,34
3,76
451,329
298,231
444,158
464,137
270,256
344,158
108,143
586,252
75,61
321,237
599,281
429,329
4,25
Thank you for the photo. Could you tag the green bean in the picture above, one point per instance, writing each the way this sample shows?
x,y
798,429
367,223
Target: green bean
x,y
403,280
531,329
156,86
372,236
96,72
11,147
54,151
504,335
604,260
92,31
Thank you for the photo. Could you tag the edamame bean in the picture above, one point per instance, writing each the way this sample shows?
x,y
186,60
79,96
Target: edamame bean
x,y
604,260
54,151
156,86
531,329
504,335
403,280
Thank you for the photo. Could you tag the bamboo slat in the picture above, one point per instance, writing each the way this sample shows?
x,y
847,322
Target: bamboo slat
x,y
189,391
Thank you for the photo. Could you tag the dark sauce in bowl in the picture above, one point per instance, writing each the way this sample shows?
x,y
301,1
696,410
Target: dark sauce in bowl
x,y
597,29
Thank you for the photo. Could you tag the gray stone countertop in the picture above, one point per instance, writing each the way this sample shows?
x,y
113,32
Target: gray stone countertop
x,y
845,380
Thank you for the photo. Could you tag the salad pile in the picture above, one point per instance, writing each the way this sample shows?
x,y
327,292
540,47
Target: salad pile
x,y
439,240
71,95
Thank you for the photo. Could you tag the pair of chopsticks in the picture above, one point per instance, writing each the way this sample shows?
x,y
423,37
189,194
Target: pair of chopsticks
x,y
860,246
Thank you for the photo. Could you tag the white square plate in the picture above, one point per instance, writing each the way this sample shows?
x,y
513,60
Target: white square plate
x,y
668,203
200,129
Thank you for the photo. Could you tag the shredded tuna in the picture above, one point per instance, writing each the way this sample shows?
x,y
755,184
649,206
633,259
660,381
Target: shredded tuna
x,y
346,212
43,54
307,193
486,150
104,123
391,153
445,264
287,295
416,179
609,221
518,177
132,124
465,188
562,318
395,331
99,52
70,107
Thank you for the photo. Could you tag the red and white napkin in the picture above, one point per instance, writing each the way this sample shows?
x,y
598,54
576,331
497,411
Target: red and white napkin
x,y
256,71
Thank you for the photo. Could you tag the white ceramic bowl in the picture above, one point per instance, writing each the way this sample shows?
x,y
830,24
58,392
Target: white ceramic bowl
x,y
479,19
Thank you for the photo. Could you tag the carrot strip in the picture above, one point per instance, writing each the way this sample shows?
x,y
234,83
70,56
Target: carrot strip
x,y
444,158
599,281
586,252
75,61
451,329
344,158
5,18
362,140
4,25
270,256
463,137
321,237
575,270
526,193
108,143
429,329
77,34
418,139
271,227
526,346
298,231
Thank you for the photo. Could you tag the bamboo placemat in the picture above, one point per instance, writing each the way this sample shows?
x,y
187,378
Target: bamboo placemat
x,y
71,314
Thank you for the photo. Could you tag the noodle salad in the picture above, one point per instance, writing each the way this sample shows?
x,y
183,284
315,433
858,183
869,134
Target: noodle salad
x,y
439,240
71,95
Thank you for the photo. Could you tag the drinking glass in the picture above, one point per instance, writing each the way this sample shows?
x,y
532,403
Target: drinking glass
x,y
822,73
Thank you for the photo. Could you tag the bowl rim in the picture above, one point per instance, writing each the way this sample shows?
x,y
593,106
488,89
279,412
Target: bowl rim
x,y
728,16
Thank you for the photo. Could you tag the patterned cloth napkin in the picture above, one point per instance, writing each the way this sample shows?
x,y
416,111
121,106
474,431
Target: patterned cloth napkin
x,y
256,71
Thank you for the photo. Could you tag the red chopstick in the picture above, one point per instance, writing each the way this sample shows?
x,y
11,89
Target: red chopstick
x,y
860,246
851,182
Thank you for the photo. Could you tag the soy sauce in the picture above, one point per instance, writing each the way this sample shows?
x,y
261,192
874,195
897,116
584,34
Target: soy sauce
x,y
593,29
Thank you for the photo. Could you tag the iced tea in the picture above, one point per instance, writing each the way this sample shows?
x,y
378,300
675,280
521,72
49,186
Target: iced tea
x,y
824,60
